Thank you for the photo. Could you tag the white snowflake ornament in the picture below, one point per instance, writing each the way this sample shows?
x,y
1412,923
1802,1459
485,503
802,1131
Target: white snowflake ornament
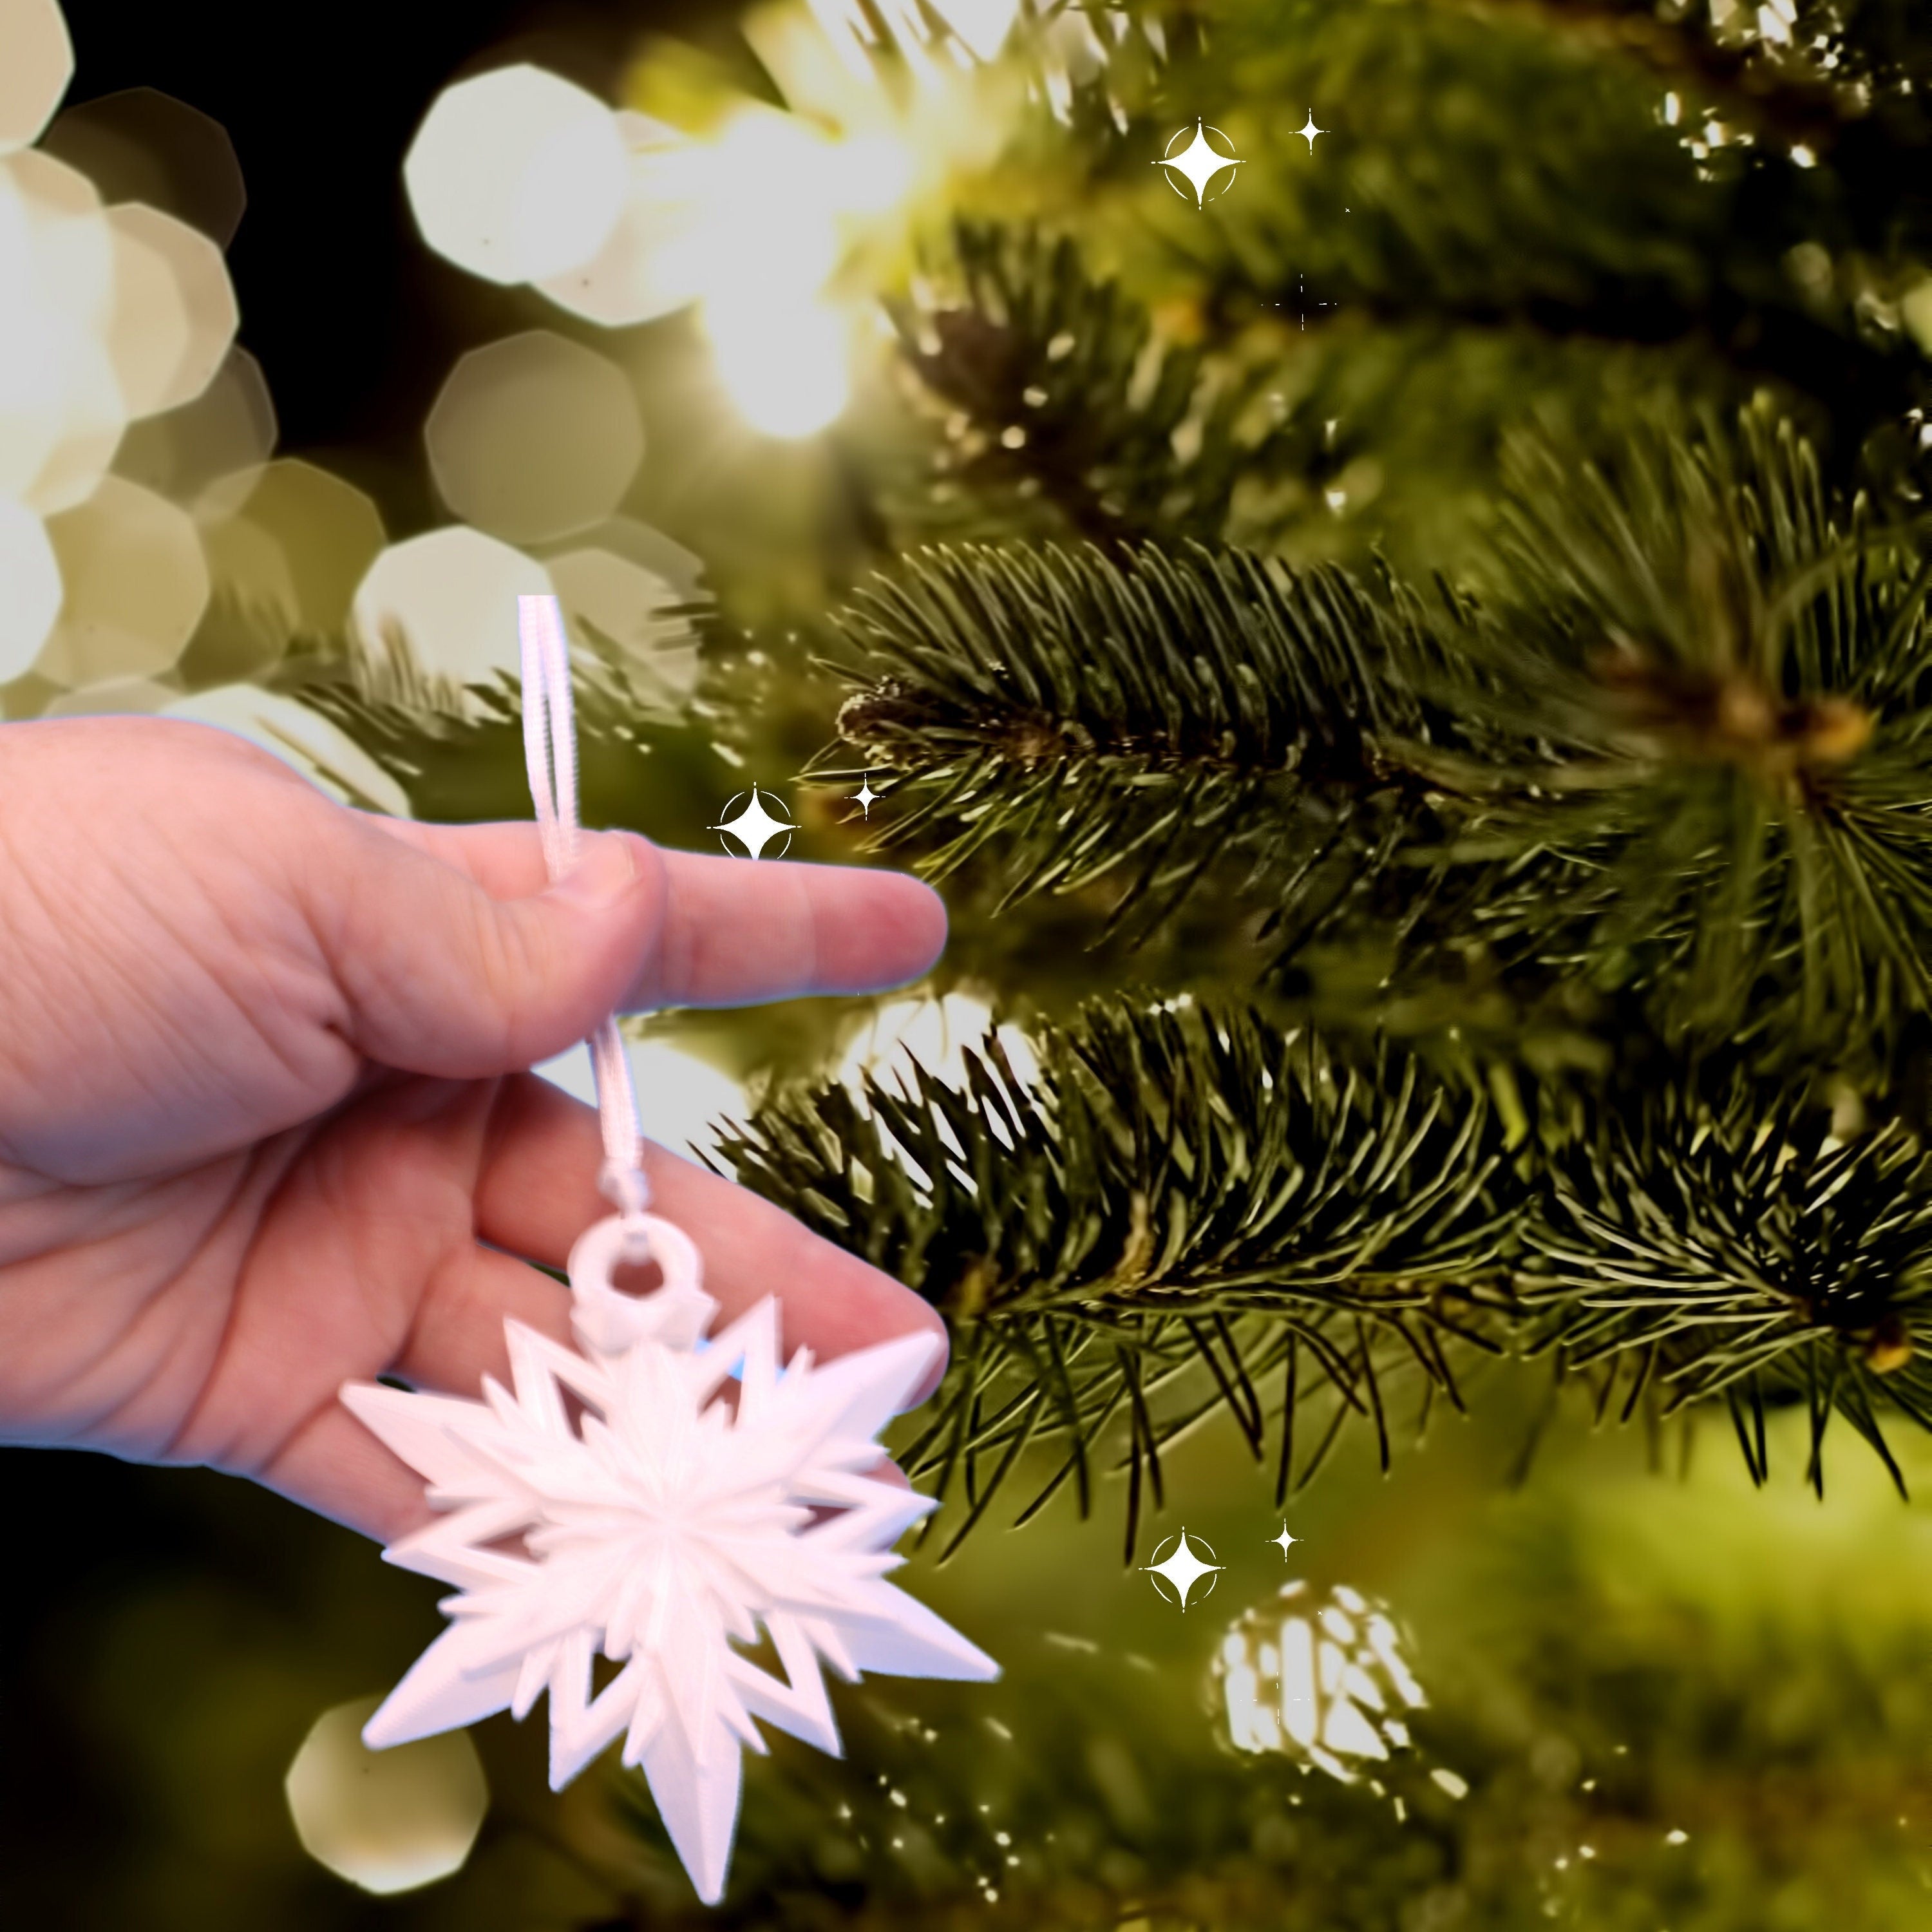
x,y
660,1525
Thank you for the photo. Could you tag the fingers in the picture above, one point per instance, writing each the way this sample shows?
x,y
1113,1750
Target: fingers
x,y
729,939
334,1466
732,930
536,1192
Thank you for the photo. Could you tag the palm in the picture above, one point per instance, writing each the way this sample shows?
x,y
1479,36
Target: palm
x,y
220,1199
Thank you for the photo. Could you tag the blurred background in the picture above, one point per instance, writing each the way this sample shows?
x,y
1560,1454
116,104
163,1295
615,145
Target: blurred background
x,y
323,335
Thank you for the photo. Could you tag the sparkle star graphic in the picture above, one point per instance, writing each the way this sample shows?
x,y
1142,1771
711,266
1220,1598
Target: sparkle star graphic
x,y
755,828
1199,163
1309,133
1184,1569
1282,1541
865,794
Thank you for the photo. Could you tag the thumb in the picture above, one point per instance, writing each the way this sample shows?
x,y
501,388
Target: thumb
x,y
442,980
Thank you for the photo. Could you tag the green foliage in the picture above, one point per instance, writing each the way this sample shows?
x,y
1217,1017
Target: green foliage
x,y
1678,743
1181,719
1585,210
1187,1204
1708,1234
457,751
1722,672
1061,393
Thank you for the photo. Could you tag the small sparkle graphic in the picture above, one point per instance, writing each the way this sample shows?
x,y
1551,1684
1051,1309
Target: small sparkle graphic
x,y
1282,1541
755,828
1199,162
1309,133
1183,1568
1302,303
865,794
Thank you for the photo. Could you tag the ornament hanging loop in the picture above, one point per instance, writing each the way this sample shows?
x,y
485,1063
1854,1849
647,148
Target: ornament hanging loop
x,y
677,1312
629,1192
549,752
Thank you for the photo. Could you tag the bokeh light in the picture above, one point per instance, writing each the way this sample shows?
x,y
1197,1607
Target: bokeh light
x,y
751,222
516,175
227,431
290,527
786,365
140,696
143,146
147,330
387,1821
60,413
1317,1674
451,595
533,437
935,1034
638,543
38,66
31,573
206,298
625,601
135,585
645,268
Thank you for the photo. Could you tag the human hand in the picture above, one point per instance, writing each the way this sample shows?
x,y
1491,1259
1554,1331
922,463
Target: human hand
x,y
263,1125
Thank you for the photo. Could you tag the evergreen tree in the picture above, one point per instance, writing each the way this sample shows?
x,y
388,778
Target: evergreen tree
x,y
1414,674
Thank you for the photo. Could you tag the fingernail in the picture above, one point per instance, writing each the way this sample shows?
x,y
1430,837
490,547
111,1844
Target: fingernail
x,y
605,870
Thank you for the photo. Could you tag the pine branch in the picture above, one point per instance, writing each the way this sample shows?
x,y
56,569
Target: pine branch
x,y
1061,393
1186,1210
1183,720
1727,672
1684,744
1708,1234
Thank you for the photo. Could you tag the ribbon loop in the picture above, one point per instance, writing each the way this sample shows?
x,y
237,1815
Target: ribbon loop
x,y
550,754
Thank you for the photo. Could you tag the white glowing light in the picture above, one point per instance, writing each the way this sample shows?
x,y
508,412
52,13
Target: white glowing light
x,y
1199,162
934,1034
60,412
755,828
518,175
36,63
645,268
784,365
209,314
452,595
869,173
983,25
390,1821
1321,1681
773,189
31,575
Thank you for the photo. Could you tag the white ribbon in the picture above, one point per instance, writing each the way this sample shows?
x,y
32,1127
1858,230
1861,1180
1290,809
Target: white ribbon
x,y
550,751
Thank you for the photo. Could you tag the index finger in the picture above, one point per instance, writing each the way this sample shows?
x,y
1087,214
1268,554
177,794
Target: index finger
x,y
731,931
